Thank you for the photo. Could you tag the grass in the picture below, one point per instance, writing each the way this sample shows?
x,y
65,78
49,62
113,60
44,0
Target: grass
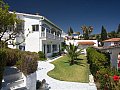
x,y
78,72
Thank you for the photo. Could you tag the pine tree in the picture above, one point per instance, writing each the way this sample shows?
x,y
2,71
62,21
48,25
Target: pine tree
x,y
103,34
118,30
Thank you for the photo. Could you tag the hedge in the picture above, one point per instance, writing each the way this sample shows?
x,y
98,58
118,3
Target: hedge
x,y
99,62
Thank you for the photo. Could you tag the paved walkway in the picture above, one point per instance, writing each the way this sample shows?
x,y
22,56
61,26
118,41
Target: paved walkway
x,y
46,66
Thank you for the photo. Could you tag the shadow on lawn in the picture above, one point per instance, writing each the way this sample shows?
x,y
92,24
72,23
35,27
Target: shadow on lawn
x,y
78,62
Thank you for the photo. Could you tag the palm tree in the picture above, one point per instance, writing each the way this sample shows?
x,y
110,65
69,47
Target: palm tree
x,y
72,52
86,31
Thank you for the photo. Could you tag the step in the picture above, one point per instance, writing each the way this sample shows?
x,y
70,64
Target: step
x,y
18,88
11,70
12,77
23,88
7,85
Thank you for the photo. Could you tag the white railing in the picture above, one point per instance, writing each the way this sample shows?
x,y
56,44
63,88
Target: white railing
x,y
57,37
50,36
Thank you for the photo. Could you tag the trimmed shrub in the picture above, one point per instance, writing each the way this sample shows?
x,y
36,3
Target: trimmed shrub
x,y
55,54
27,62
41,55
12,56
2,64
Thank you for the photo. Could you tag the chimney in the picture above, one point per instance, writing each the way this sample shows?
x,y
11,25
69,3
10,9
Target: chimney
x,y
37,14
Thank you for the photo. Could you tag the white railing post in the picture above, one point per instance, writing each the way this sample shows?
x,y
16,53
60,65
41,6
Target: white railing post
x,y
45,32
54,35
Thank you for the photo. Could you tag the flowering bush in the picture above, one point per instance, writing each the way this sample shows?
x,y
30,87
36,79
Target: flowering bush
x,y
116,78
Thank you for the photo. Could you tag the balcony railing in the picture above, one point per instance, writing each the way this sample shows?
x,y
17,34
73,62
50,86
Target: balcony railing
x,y
50,36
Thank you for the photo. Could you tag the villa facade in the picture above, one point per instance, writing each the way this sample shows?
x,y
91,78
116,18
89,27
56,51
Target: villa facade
x,y
40,34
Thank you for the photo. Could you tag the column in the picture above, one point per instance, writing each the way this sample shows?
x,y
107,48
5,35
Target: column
x,y
51,49
59,36
54,35
40,23
45,32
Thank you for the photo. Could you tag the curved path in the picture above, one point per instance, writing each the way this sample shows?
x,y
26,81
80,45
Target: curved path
x,y
46,66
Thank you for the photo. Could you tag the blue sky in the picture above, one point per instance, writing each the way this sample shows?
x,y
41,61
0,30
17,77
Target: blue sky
x,y
74,13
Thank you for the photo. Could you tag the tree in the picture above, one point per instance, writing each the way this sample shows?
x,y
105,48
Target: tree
x,y
118,30
112,34
86,31
9,24
72,52
70,31
103,34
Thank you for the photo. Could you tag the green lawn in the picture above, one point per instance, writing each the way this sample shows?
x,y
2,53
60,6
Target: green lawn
x,y
76,73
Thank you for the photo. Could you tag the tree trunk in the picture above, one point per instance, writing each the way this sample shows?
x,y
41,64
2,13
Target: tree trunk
x,y
71,62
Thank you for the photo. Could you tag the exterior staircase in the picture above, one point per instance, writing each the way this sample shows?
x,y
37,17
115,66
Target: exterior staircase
x,y
13,79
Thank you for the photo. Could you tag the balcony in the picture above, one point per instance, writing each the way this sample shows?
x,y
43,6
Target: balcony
x,y
50,36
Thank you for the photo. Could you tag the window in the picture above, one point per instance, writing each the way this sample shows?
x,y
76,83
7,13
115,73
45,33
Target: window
x,y
48,48
20,26
43,29
48,30
54,47
116,43
35,27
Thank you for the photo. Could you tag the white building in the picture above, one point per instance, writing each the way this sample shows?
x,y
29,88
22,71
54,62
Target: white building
x,y
40,34
111,42
113,47
83,44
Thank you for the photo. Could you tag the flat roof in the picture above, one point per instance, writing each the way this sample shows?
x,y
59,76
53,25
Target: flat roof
x,y
112,40
86,43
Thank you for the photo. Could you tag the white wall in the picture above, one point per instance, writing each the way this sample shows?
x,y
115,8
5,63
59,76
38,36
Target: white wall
x,y
108,43
31,81
32,40
114,56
